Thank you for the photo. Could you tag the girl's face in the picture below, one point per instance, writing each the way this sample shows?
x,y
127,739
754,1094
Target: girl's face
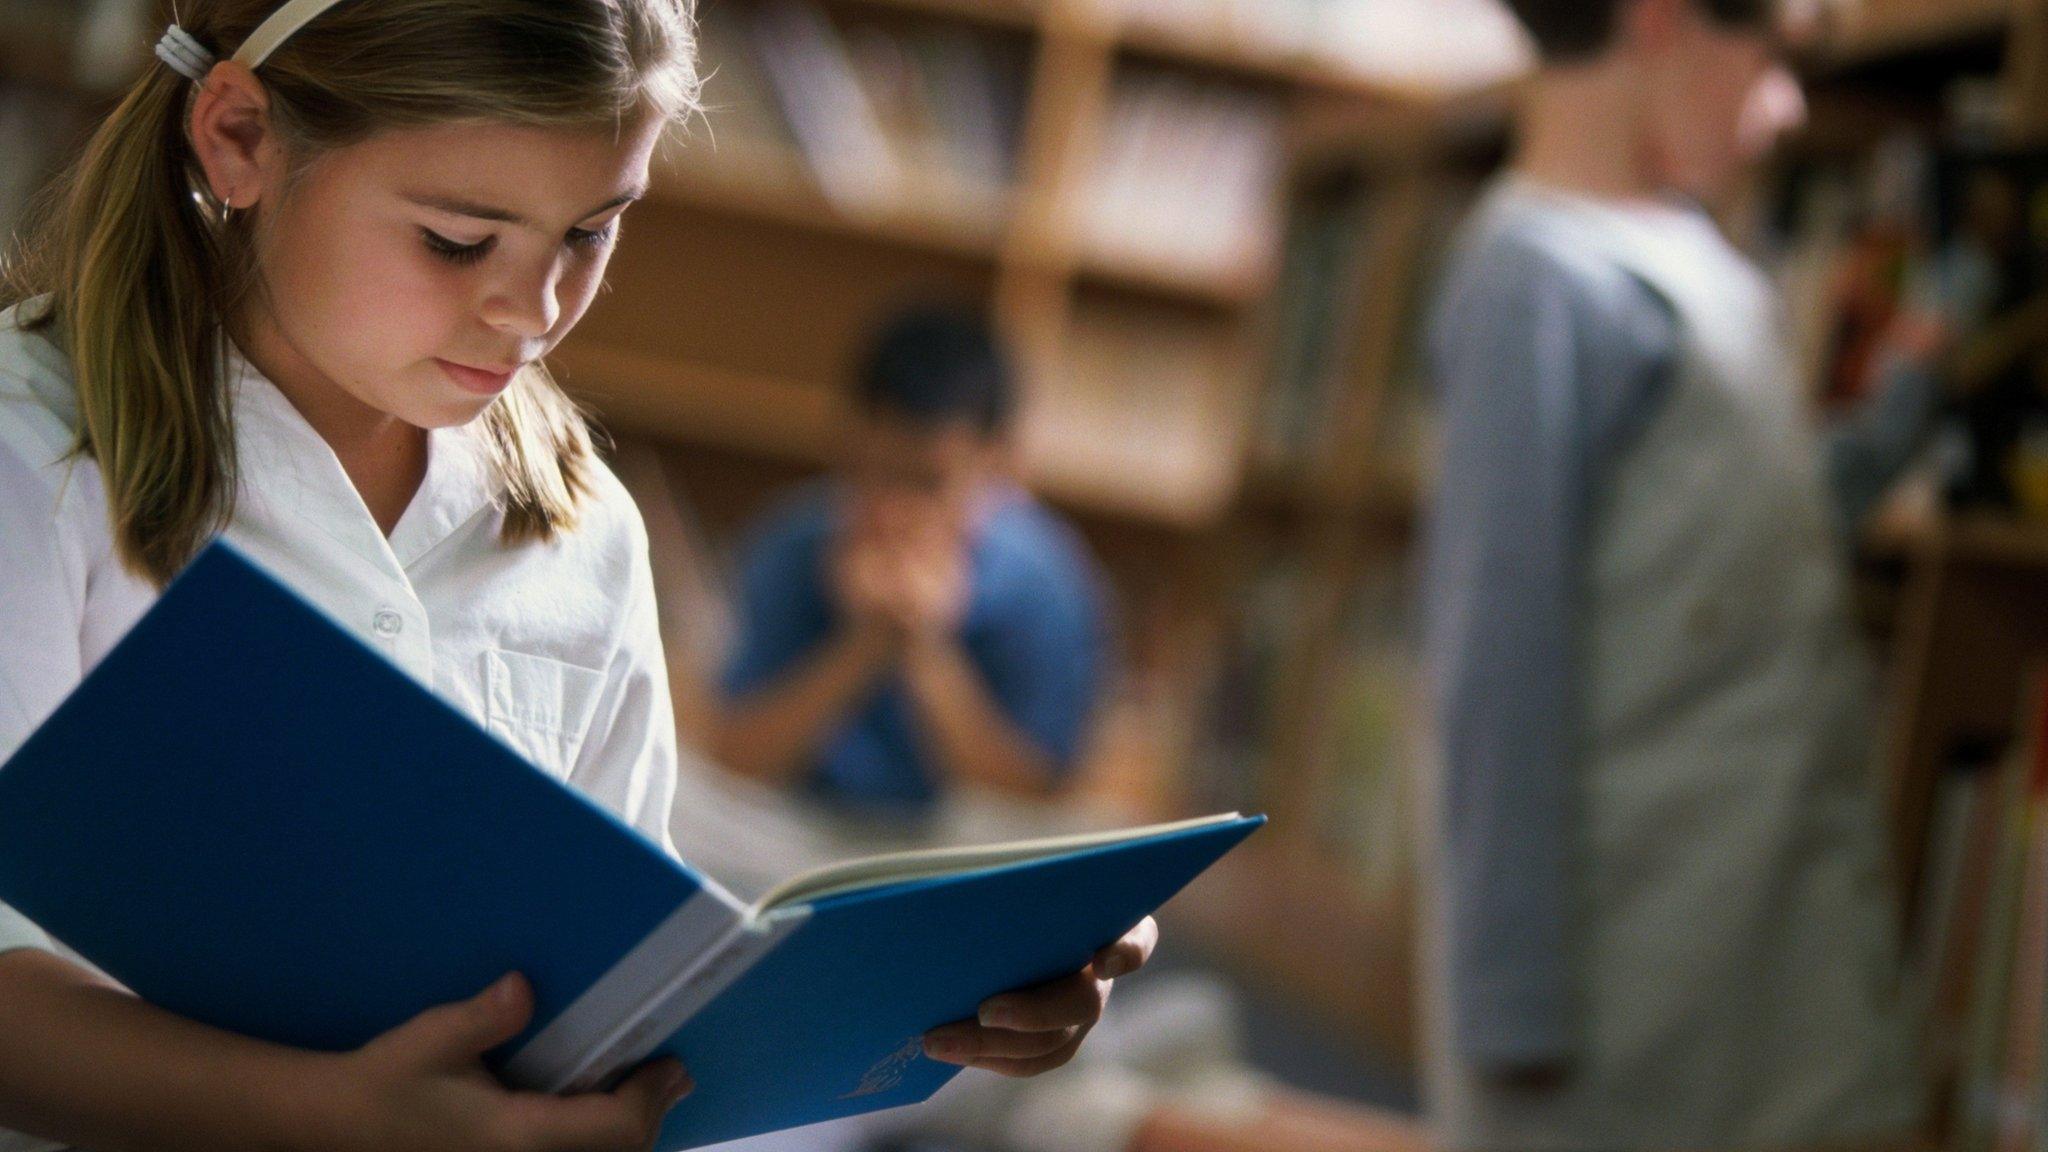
x,y
412,275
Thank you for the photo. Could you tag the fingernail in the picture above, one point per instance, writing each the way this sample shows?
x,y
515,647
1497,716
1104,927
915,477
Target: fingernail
x,y
506,990
999,1016
1114,967
678,1084
945,1048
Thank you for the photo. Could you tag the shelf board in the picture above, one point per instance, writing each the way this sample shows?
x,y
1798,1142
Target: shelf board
x,y
702,404
1978,539
796,423
1894,27
1217,288
758,183
1019,14
1385,501
1218,49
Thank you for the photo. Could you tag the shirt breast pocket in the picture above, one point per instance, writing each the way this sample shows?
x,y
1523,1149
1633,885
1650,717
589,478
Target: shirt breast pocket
x,y
541,707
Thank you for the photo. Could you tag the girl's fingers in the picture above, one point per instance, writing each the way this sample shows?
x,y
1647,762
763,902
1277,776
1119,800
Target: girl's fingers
x,y
623,1120
1130,953
972,1045
1077,999
1034,1031
458,1033
1037,1066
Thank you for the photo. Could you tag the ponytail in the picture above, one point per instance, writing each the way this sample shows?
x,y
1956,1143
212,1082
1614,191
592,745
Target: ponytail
x,y
136,303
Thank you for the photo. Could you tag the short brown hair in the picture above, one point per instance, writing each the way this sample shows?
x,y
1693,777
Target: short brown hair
x,y
1569,30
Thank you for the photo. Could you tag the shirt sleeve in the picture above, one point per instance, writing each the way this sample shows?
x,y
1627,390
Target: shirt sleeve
x,y
1048,661
1871,444
629,756
40,657
782,615
1538,374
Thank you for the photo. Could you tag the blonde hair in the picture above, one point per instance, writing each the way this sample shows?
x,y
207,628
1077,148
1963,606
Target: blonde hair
x,y
140,275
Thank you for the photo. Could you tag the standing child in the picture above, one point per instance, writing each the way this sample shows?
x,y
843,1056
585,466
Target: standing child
x,y
298,295
1665,920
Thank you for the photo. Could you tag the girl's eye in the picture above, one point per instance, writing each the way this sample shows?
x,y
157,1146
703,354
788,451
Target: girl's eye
x,y
453,252
586,238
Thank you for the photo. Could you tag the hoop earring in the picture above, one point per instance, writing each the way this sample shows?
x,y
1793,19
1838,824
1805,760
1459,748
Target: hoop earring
x,y
227,209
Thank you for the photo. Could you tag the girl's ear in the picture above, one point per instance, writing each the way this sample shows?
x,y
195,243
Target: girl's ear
x,y
233,136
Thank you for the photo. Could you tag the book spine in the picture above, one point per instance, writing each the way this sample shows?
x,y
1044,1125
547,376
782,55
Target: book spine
x,y
663,1015
693,933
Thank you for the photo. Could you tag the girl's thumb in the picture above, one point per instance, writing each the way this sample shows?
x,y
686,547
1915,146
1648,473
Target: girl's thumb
x,y
468,1028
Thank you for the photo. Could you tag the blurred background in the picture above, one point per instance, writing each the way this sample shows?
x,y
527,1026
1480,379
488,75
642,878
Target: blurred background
x,y
1206,230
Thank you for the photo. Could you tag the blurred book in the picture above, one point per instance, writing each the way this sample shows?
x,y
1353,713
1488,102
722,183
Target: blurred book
x,y
878,113
1243,686
1144,411
694,598
1987,945
1324,293
1404,430
1925,229
1186,181
87,46
827,109
2019,1124
739,99
1438,44
1365,813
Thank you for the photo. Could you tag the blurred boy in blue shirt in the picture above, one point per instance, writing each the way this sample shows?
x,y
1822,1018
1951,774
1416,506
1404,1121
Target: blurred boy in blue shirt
x,y
917,619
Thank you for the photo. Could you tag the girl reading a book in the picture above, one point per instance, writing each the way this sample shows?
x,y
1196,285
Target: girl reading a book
x,y
296,293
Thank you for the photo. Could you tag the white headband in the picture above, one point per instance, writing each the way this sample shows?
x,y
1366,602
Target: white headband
x,y
190,59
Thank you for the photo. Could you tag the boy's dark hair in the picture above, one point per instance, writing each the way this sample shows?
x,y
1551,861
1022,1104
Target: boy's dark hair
x,y
933,367
1571,30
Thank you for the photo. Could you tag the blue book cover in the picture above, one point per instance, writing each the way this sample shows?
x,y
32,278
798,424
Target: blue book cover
x,y
251,819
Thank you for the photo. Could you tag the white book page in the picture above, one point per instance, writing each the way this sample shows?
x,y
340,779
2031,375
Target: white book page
x,y
901,867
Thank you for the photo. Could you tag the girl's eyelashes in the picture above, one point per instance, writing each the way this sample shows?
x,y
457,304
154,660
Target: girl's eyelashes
x,y
454,252
593,238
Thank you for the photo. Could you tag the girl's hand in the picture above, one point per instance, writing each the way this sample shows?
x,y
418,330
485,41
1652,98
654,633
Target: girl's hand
x,y
1037,1030
423,1086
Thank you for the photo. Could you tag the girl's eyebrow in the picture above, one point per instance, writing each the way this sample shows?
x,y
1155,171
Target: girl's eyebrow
x,y
471,208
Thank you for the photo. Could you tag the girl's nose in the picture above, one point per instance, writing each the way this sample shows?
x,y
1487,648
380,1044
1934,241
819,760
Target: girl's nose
x,y
528,306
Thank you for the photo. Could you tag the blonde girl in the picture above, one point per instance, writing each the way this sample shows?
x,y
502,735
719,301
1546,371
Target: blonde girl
x,y
297,292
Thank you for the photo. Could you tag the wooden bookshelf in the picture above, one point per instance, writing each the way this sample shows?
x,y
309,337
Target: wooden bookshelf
x,y
1880,28
1968,616
1040,274
773,186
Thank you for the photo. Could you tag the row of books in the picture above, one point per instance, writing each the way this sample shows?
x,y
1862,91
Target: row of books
x,y
1336,280
1186,179
1352,780
1183,182
91,46
1979,945
1143,410
1438,43
870,107
1942,226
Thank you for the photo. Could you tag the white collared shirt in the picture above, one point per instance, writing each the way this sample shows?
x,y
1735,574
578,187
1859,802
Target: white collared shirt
x,y
552,646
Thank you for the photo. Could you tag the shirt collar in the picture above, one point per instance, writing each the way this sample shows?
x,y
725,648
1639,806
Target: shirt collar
x,y
287,465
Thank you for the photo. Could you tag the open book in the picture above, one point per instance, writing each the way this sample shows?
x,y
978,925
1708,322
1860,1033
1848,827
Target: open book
x,y
211,820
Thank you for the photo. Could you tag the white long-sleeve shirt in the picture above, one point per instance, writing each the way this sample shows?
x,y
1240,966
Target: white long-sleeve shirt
x,y
553,647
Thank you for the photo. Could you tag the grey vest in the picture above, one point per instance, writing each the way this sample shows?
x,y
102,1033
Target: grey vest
x,y
1734,937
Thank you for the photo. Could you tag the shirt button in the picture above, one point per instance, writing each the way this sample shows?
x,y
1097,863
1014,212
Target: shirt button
x,y
387,623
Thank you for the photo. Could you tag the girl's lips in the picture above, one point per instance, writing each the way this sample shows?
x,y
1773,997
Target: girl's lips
x,y
476,380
